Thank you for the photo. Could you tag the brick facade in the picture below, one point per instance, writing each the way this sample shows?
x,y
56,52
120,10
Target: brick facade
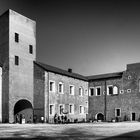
x,y
127,99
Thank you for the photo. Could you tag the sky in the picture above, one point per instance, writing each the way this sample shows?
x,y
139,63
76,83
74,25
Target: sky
x,y
91,37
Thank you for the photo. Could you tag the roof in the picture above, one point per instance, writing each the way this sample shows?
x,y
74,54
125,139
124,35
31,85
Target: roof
x,y
60,71
105,76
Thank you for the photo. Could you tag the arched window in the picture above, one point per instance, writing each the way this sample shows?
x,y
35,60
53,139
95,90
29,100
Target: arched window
x,y
115,90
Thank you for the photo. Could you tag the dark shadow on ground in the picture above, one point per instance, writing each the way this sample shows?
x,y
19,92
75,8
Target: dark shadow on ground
x,y
135,135
71,134
68,134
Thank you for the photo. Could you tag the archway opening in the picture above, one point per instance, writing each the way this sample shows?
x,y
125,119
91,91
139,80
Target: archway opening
x,y
100,117
23,112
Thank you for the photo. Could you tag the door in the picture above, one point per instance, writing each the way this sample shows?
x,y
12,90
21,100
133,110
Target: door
x,y
133,116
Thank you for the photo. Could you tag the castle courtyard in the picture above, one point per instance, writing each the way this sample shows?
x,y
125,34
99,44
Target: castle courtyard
x,y
84,131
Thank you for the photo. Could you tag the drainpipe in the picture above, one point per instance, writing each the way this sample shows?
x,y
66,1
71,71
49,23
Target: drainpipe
x,y
48,95
105,102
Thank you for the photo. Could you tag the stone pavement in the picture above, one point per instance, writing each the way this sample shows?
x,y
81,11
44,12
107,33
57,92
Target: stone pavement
x,y
85,131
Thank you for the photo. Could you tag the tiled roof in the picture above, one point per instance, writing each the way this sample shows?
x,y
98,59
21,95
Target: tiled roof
x,y
105,76
60,71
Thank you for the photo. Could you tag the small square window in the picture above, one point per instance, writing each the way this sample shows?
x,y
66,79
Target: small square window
x,y
30,49
16,37
16,60
121,91
129,77
128,90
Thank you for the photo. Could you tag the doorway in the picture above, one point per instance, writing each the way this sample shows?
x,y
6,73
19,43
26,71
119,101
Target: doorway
x,y
23,112
133,116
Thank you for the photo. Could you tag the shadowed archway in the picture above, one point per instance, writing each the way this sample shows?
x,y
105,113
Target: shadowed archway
x,y
100,116
23,110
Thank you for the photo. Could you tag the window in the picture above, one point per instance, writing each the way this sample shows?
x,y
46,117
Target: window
x,y
91,91
121,91
16,60
80,91
71,109
30,49
51,110
128,90
71,90
98,91
81,109
60,88
52,86
129,77
117,112
61,108
115,90
16,37
110,90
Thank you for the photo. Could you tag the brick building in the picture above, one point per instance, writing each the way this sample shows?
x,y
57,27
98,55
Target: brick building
x,y
115,96
31,90
28,88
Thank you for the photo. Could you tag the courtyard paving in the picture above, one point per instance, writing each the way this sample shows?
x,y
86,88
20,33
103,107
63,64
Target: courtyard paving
x,y
85,131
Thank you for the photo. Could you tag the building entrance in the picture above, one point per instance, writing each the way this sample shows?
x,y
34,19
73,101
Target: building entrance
x,y
100,117
23,112
133,116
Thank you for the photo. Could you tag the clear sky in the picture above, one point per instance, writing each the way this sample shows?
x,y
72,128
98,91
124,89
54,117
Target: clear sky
x,y
91,37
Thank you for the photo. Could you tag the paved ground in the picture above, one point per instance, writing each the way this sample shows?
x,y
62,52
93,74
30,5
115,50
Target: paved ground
x,y
91,131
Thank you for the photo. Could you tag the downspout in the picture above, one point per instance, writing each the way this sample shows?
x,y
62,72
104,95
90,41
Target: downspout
x,y
48,95
105,102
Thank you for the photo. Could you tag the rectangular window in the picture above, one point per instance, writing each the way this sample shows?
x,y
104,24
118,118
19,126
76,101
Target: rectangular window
x,y
81,110
80,91
51,110
110,90
91,91
117,112
71,90
71,109
60,87
16,60
61,107
16,37
52,86
30,49
98,91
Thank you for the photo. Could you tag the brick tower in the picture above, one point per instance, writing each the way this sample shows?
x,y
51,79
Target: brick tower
x,y
17,53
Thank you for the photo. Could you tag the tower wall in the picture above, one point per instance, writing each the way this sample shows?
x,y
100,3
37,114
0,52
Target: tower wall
x,y
21,75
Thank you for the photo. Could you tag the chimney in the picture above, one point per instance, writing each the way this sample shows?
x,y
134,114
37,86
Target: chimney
x,y
69,70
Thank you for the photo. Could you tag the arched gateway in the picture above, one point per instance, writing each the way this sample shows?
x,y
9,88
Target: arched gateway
x,y
23,110
99,116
